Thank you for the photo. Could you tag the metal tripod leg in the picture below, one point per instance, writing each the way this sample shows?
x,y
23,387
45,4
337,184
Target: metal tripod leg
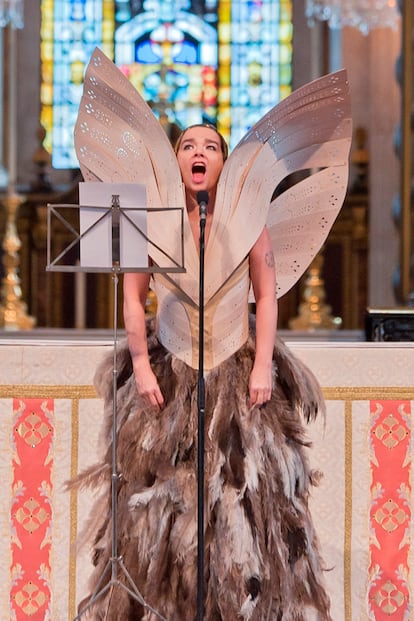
x,y
115,561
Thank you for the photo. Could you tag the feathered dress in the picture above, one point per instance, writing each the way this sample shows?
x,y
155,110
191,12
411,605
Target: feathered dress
x,y
262,560
261,555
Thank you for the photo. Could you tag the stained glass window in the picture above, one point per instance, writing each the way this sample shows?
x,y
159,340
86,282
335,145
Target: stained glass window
x,y
221,61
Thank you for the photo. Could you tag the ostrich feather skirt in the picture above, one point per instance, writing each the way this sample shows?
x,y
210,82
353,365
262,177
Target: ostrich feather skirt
x,y
261,556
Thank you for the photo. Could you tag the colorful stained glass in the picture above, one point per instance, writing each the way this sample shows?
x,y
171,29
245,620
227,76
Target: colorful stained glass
x,y
219,61
70,31
169,52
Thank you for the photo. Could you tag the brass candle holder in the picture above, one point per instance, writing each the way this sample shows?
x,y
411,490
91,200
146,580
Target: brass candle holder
x,y
314,314
13,311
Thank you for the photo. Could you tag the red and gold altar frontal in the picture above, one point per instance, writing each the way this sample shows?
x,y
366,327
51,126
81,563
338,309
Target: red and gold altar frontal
x,y
49,430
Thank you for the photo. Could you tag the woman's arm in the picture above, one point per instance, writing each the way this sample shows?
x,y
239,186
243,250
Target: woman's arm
x,y
263,276
136,286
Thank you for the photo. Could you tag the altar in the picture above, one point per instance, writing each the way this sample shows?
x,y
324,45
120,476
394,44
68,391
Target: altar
x,y
50,429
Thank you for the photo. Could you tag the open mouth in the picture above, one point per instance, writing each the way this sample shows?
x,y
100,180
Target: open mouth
x,y
198,171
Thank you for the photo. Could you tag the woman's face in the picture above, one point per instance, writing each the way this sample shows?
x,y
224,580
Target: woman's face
x,y
200,158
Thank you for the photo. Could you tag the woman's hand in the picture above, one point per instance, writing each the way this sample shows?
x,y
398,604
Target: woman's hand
x,y
147,384
260,384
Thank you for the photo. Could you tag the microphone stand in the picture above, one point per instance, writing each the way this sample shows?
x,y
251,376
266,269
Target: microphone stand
x,y
202,199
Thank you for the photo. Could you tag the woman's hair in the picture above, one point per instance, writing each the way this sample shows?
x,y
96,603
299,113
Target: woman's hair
x,y
223,143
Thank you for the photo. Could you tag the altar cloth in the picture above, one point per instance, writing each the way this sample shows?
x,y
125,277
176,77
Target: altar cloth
x,y
50,418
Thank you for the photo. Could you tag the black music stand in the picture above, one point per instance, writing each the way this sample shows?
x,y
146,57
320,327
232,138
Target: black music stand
x,y
104,228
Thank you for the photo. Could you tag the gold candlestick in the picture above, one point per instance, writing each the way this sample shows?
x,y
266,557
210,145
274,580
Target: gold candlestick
x,y
314,314
13,315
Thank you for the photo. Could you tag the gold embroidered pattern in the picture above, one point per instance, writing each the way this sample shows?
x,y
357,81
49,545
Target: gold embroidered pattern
x,y
390,432
30,598
388,598
33,429
31,515
390,516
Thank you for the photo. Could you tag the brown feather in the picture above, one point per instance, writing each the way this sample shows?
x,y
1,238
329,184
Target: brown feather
x,y
262,560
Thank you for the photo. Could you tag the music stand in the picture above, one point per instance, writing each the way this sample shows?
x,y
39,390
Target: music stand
x,y
107,222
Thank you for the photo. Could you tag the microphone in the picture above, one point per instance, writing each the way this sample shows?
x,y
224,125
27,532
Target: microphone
x,y
202,200
116,252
